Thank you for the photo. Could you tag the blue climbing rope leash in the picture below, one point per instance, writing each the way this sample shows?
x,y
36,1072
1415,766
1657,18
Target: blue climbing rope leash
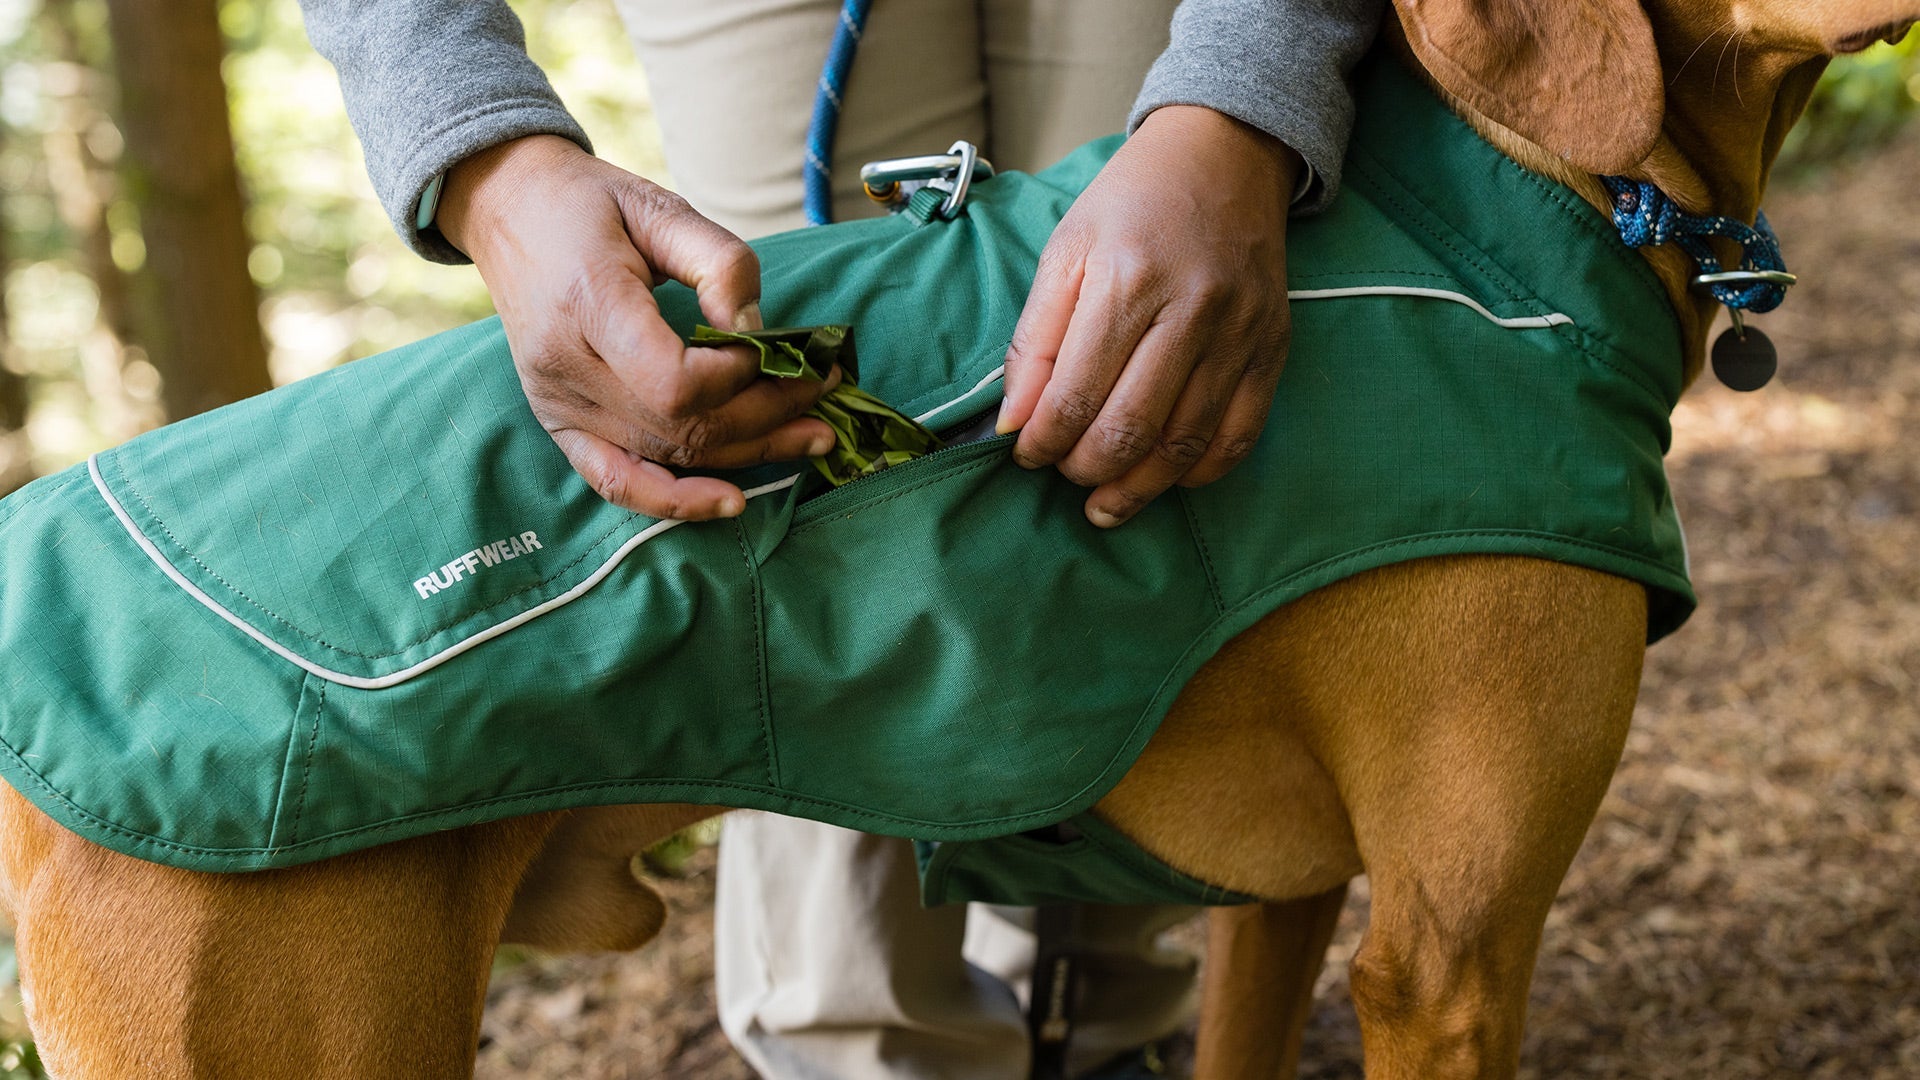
x,y
1646,217
818,197
1743,358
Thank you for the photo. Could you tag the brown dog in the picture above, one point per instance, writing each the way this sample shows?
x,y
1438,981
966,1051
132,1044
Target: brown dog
x,y
1447,726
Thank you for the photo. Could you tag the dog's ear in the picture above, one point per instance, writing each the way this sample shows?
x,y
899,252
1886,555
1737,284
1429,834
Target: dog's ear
x,y
1581,78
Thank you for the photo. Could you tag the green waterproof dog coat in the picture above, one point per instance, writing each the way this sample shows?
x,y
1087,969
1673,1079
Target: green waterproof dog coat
x,y
378,602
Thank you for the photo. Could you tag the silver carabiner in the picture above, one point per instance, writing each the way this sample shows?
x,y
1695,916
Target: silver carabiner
x,y
893,181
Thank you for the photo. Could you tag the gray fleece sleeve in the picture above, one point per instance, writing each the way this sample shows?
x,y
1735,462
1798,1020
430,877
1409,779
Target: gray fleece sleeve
x,y
427,83
1279,65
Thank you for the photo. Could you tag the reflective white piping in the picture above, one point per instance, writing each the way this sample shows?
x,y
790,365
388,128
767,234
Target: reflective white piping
x,y
359,682
989,379
1527,322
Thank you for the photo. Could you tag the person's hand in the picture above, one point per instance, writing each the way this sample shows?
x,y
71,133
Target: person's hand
x,y
1151,343
570,248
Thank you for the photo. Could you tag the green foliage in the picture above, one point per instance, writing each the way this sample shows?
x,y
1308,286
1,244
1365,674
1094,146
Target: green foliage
x,y
1863,102
336,283
20,1061
669,857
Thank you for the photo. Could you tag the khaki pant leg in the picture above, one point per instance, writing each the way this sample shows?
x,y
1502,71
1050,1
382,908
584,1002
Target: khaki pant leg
x,y
828,968
733,85
1061,72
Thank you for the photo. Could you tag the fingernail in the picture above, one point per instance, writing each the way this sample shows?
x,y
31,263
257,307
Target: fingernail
x,y
1002,426
836,376
747,318
1101,518
820,445
732,505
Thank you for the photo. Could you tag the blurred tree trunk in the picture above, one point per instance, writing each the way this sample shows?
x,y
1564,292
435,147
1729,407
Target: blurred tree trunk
x,y
199,316
16,458
83,187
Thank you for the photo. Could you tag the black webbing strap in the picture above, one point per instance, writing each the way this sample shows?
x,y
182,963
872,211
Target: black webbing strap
x,y
1055,974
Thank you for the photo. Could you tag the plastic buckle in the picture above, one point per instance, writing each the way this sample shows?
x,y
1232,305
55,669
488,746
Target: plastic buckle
x,y
893,181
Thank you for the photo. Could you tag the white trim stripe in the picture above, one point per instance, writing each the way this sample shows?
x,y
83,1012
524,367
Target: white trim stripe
x,y
1528,322
989,379
360,682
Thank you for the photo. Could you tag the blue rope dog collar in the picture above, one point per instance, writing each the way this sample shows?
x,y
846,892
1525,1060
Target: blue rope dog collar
x,y
1743,358
1646,217
817,200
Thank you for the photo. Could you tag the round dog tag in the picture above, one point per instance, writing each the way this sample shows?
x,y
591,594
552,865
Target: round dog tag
x,y
1745,362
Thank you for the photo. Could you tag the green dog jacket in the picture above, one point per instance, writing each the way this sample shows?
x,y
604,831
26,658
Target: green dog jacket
x,y
378,602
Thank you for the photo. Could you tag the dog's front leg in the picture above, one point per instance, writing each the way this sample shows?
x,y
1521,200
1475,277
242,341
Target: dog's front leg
x,y
369,965
1485,705
1262,962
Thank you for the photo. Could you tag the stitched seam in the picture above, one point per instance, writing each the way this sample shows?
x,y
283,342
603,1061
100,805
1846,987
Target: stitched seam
x,y
1492,269
1409,216
306,766
14,505
842,512
127,483
1375,275
1581,341
1200,544
1014,823
286,762
1578,338
759,656
1586,217
1457,534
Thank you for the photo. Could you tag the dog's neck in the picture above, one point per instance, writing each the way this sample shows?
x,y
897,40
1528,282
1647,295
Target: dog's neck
x,y
1724,125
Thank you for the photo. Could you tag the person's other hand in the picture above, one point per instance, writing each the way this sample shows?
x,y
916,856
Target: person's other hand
x,y
1152,341
570,248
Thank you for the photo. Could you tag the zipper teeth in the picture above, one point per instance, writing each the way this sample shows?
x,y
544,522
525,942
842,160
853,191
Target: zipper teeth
x,y
898,475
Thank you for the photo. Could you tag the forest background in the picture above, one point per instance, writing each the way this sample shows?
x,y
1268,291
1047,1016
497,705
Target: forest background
x,y
142,283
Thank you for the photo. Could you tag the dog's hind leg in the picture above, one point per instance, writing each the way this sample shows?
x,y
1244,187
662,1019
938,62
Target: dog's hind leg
x,y
1262,962
372,964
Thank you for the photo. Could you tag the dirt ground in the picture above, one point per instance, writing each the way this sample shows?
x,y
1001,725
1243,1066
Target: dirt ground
x,y
1748,903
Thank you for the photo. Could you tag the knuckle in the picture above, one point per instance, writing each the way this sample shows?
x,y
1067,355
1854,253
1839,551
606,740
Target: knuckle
x,y
605,481
653,201
703,432
737,260
583,299
1077,408
678,455
1234,449
1208,290
1181,449
1127,439
1124,271
1020,349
